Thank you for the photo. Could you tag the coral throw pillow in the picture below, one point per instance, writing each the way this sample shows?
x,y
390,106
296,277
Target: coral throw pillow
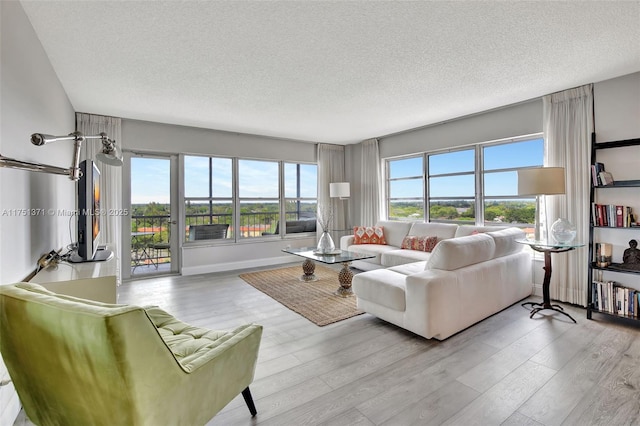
x,y
412,242
368,235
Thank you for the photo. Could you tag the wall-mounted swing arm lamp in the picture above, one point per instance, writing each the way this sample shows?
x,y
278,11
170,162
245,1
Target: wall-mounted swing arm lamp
x,y
109,154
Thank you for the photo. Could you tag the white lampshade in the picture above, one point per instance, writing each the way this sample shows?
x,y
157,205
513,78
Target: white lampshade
x,y
541,181
339,190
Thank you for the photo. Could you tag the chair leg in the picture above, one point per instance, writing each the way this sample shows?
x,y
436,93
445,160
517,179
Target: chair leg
x,y
246,394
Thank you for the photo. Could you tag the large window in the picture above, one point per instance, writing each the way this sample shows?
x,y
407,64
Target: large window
x,y
500,165
452,186
208,197
259,197
238,199
470,185
300,191
405,188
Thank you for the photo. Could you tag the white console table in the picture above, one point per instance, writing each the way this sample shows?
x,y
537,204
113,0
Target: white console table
x,y
88,280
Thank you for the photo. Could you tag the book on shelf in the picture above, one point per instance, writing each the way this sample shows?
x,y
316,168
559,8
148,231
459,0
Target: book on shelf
x,y
596,169
611,215
614,298
605,178
599,176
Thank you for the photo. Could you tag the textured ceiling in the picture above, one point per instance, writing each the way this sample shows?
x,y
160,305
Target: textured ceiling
x,y
336,72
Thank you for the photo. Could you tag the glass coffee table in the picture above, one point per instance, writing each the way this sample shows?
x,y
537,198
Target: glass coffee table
x,y
339,256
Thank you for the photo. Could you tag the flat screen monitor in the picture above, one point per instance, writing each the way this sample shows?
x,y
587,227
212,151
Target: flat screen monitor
x,y
89,215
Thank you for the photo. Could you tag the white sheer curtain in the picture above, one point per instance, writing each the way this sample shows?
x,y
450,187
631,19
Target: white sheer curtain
x,y
568,125
331,169
370,184
110,179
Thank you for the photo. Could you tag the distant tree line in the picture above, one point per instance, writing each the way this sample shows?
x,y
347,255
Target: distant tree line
x,y
458,210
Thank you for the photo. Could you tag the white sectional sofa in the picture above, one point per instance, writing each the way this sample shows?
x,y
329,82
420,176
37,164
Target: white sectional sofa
x,y
472,273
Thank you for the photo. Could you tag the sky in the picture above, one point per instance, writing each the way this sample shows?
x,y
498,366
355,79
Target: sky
x,y
257,179
513,155
150,176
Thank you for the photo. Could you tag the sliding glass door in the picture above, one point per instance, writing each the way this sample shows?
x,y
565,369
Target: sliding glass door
x,y
153,229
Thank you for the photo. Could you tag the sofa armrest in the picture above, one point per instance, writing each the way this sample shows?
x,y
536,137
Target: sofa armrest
x,y
346,241
432,303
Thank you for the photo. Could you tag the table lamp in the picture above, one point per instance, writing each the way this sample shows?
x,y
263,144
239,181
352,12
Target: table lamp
x,y
339,190
540,181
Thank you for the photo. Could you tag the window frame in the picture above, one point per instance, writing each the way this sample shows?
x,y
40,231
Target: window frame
x,y
479,174
210,200
298,199
389,180
428,177
484,172
234,236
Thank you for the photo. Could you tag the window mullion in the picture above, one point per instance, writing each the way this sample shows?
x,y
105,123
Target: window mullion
x,y
425,188
479,202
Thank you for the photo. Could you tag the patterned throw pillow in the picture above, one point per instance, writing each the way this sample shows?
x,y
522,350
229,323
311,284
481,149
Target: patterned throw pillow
x,y
368,235
407,242
413,242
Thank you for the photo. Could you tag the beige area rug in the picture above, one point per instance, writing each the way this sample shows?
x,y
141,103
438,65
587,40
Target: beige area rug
x,y
313,300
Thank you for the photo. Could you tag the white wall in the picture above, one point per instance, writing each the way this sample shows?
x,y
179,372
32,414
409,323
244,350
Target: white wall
x,y
145,136
516,120
32,100
617,108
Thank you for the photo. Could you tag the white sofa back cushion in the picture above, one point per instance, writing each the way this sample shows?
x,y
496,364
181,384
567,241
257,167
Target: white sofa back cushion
x,y
430,229
456,253
464,230
394,231
505,240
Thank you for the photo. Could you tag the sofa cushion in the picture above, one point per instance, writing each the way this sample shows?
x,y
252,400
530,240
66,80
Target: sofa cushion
x,y
383,287
464,230
375,249
505,240
409,268
395,231
401,256
456,253
368,235
440,230
420,243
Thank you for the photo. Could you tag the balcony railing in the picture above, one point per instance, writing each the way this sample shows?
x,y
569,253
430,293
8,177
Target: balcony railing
x,y
253,225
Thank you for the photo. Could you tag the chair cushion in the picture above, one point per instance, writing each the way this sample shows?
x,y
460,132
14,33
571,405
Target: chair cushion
x,y
185,341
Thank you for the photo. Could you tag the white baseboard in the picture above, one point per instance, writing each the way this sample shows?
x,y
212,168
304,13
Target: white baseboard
x,y
231,266
537,290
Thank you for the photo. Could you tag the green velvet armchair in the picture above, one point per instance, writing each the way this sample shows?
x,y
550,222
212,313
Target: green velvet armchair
x,y
80,362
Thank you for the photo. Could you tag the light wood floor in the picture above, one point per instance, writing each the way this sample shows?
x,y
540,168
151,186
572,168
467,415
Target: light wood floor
x,y
508,369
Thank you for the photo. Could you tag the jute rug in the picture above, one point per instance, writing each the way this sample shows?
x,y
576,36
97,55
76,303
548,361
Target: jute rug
x,y
313,300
